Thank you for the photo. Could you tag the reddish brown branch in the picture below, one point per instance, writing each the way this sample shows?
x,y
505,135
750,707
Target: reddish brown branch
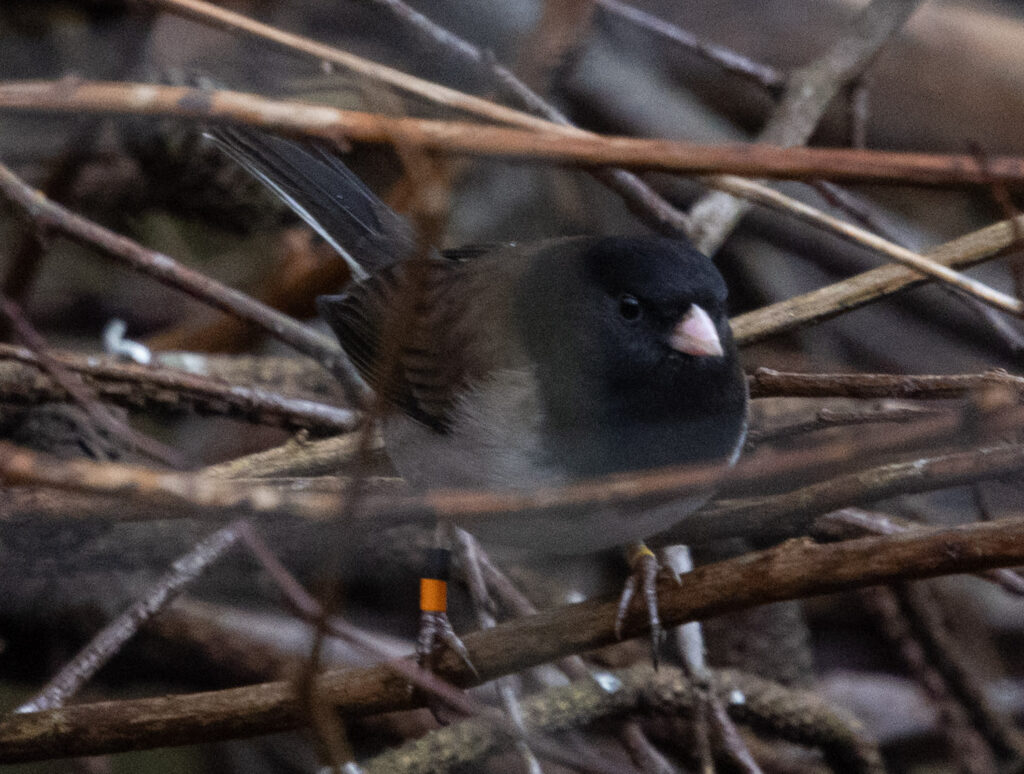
x,y
148,494
475,139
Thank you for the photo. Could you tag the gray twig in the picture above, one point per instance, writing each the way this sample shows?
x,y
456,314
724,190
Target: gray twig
x,y
808,93
109,640
729,60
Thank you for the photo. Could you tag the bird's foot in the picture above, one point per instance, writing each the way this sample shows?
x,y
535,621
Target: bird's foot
x,y
644,568
435,628
435,633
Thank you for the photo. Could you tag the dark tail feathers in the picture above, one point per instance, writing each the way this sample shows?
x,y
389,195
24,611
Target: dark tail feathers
x,y
326,194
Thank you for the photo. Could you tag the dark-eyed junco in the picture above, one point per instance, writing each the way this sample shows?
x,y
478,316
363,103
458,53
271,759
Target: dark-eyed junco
x,y
521,366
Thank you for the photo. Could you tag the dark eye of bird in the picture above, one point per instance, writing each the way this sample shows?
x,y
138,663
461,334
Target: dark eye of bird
x,y
629,307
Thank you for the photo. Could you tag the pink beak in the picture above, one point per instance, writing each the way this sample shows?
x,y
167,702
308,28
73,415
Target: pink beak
x,y
695,334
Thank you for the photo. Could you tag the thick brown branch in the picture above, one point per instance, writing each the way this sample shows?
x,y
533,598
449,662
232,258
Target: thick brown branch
x,y
851,523
792,570
766,382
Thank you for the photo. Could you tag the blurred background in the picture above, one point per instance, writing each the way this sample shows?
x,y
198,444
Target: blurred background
x,y
951,81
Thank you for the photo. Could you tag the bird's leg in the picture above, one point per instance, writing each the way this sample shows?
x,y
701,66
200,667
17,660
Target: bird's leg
x,y
469,553
435,628
643,577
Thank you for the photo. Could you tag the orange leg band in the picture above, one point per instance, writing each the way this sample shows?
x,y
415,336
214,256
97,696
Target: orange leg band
x,y
433,595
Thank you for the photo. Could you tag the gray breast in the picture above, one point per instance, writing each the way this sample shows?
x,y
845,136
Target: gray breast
x,y
494,444
493,440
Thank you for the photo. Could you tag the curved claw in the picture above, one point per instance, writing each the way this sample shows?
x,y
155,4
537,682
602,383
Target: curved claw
x,y
643,576
435,629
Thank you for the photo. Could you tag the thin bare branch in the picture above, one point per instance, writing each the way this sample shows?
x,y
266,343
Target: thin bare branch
x,y
809,91
555,144
856,207
53,217
859,236
857,110
789,514
26,257
109,640
638,196
73,386
208,13
867,287
22,381
861,212
970,749
729,60
827,418
468,552
948,656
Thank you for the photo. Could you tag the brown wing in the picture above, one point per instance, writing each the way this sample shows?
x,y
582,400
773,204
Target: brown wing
x,y
417,316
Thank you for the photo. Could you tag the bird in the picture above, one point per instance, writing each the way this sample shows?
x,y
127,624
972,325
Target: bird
x,y
517,366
